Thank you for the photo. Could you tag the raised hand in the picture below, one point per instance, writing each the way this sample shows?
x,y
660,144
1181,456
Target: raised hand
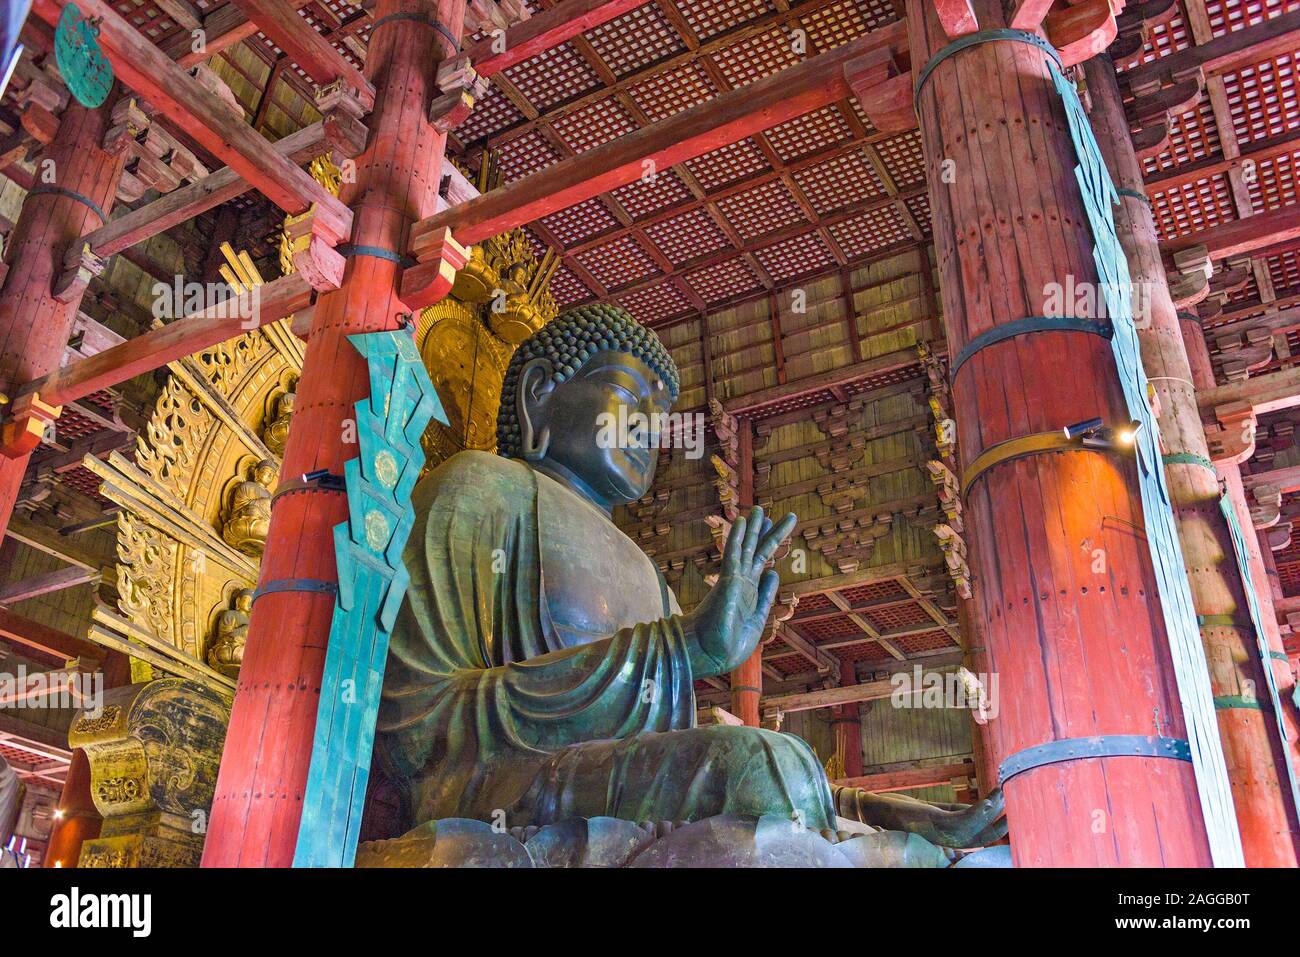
x,y
726,625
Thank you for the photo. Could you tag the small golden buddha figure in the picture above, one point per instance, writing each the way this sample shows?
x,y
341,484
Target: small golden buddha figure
x,y
250,511
276,433
226,652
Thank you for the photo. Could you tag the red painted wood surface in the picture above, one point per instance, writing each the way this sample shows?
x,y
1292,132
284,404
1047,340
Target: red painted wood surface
x,y
543,31
78,819
256,811
747,679
303,45
212,122
847,721
1256,761
34,327
1077,652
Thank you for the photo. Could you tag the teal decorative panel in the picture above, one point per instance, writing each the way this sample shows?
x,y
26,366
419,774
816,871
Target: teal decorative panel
x,y
1242,551
1190,668
81,62
372,583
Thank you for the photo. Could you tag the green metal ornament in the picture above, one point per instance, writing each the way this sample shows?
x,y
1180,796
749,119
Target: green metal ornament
x,y
82,63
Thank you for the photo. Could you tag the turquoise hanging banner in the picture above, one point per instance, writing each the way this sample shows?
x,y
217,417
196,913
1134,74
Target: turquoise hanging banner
x,y
1191,670
372,583
81,62
1242,550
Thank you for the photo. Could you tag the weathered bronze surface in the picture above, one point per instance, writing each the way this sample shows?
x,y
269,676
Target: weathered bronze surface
x,y
541,669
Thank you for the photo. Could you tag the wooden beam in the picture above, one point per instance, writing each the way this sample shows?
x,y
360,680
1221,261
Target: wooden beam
x,y
814,83
48,540
185,203
1271,392
752,402
1237,48
543,31
301,43
1241,237
56,580
52,739
213,123
225,320
909,778
45,641
829,697
1287,479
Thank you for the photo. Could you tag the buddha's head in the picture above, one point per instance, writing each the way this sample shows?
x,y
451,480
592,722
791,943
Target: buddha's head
x,y
568,389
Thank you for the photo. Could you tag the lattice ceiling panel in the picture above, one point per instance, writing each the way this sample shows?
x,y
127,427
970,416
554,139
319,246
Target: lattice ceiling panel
x,y
657,303
594,124
871,592
672,91
894,617
1192,136
1284,270
842,22
1274,183
724,280
762,210
871,232
758,56
1262,99
1166,38
919,207
579,223
862,651
929,641
892,377
636,40
491,114
728,165
808,134
651,195
148,19
903,159
1226,15
568,288
839,628
1191,207
619,263
790,664
554,76
688,236
839,182
798,256
525,154
708,18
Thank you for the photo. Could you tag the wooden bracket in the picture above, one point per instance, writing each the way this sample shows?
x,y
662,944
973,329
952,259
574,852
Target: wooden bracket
x,y
438,256
1234,439
40,123
1190,283
341,119
80,265
1082,30
313,255
131,119
24,427
957,17
883,90
461,87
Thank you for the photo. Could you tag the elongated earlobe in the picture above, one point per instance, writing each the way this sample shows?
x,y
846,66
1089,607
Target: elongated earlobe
x,y
534,384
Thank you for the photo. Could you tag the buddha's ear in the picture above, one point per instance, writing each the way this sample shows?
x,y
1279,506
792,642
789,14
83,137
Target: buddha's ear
x,y
535,386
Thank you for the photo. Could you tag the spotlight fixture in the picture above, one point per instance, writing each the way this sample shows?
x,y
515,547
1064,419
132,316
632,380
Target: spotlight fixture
x,y
1081,429
1096,434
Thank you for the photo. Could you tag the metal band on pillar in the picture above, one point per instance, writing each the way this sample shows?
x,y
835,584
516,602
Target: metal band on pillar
x,y
44,189
1020,327
421,19
1035,443
975,39
1103,746
351,250
297,584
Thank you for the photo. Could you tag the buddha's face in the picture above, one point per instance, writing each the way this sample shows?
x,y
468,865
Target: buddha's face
x,y
592,422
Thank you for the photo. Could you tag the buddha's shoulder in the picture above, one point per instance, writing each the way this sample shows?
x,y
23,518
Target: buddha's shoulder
x,y
477,470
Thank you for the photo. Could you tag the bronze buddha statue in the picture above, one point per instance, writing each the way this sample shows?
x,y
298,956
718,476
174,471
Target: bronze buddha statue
x,y
541,668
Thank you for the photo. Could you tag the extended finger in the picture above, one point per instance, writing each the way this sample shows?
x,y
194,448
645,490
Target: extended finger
x,y
751,535
767,587
732,550
773,539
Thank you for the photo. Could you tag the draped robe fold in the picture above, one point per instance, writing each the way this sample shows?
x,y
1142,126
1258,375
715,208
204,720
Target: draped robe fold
x,y
502,699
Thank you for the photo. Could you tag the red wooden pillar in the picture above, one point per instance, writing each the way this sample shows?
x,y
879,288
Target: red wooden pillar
x,y
747,679
258,802
847,719
76,818
1067,597
1255,757
76,180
